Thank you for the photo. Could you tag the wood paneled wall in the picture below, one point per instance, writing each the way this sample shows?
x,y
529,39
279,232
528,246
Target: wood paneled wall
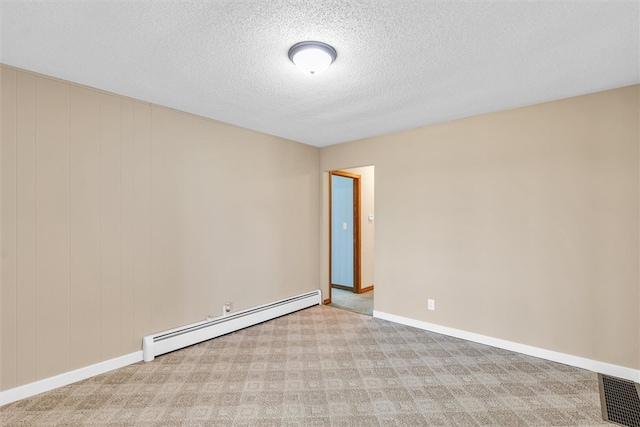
x,y
121,219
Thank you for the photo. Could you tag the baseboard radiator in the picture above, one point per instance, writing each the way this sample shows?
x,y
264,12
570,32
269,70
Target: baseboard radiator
x,y
174,339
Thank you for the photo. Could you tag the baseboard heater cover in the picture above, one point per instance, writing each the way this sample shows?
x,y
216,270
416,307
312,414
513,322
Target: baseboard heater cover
x,y
174,339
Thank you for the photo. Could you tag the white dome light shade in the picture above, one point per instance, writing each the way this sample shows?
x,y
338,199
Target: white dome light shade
x,y
312,57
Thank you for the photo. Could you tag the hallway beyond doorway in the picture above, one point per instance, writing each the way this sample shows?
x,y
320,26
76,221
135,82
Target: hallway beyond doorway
x,y
357,303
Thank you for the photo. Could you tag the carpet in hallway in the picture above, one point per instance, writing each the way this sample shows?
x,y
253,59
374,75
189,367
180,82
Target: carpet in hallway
x,y
347,300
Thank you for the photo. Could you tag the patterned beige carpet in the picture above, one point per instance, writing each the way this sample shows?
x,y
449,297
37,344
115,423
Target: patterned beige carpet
x,y
325,367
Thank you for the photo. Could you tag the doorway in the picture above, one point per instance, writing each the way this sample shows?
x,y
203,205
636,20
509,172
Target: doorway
x,y
350,239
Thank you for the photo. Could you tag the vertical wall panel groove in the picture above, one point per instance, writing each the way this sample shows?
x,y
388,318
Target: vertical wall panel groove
x,y
128,343
173,242
8,188
158,316
52,228
110,276
25,228
85,226
142,220
69,222
100,266
35,229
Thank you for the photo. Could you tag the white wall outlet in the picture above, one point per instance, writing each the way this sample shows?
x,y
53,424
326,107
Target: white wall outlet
x,y
431,304
226,308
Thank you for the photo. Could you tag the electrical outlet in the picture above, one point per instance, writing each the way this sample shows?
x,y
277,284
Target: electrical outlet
x,y
226,308
431,304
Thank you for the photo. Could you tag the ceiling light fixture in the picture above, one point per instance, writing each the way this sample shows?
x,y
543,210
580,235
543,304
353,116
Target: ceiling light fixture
x,y
312,57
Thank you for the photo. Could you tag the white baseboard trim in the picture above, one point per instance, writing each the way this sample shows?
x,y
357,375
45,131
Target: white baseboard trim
x,y
567,359
47,384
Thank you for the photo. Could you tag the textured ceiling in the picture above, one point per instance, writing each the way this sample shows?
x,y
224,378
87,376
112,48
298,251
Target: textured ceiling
x,y
400,65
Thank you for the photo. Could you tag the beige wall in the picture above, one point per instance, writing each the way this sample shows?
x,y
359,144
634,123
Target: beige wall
x,y
121,219
522,225
367,204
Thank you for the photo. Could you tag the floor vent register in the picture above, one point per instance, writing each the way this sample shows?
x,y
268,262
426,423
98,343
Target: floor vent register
x,y
620,401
